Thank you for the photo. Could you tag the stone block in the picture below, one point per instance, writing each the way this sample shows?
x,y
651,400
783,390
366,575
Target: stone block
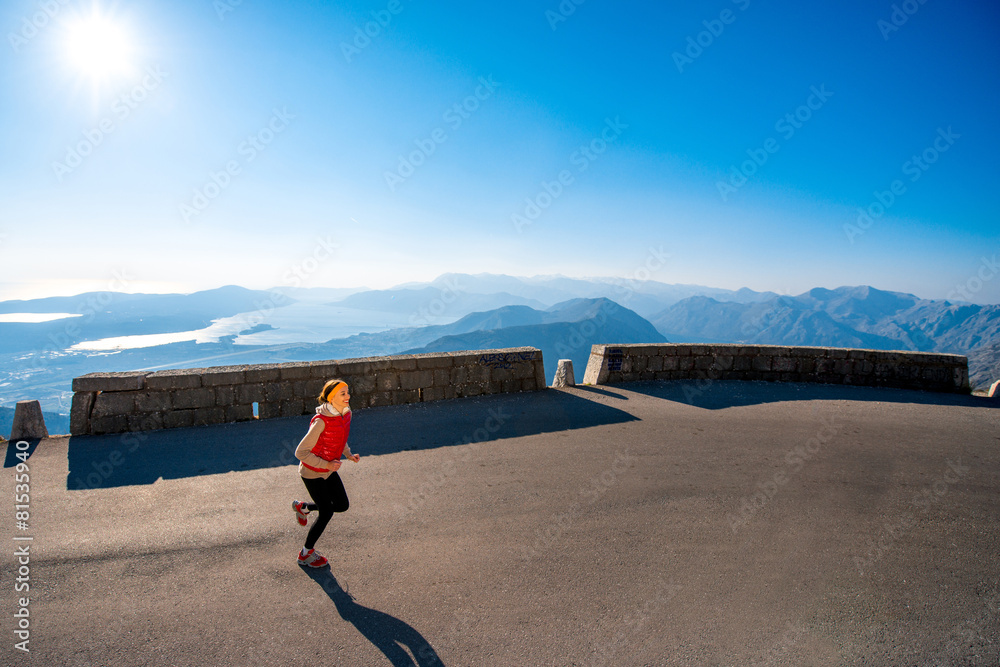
x,y
212,415
501,374
405,396
441,376
564,374
309,390
434,394
79,413
148,422
784,364
109,403
525,369
213,377
261,373
29,423
762,363
153,401
351,368
269,409
94,382
742,363
109,424
189,378
723,363
837,353
703,363
360,384
670,363
434,362
407,363
327,370
178,418
295,372
477,374
685,363
239,413
824,366
416,379
250,393
275,392
293,407
381,398
225,395
185,399
386,381
806,366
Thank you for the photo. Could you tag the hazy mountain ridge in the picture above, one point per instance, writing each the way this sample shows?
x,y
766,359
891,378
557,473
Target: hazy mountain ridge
x,y
35,363
567,331
844,317
645,298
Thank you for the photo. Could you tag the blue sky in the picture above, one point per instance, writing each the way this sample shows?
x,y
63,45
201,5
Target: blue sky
x,y
275,143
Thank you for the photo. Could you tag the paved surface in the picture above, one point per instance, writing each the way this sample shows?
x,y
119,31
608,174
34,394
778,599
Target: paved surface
x,y
643,524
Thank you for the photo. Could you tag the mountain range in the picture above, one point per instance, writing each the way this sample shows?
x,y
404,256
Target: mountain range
x,y
561,316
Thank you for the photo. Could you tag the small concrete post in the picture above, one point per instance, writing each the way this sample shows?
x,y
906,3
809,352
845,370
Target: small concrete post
x,y
995,390
29,424
564,374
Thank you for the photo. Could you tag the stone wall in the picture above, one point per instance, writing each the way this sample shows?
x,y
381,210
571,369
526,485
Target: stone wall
x,y
141,401
612,364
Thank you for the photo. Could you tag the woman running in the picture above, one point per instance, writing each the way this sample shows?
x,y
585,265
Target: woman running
x,y
319,459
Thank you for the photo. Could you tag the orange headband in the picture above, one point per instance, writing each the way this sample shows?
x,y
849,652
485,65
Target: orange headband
x,y
333,391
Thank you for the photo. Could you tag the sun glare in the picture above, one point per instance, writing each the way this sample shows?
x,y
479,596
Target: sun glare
x,y
99,48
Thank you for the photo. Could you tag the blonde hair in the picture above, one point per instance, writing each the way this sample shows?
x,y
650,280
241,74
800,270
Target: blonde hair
x,y
328,389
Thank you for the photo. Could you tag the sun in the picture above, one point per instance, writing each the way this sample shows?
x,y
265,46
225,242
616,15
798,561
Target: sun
x,y
99,48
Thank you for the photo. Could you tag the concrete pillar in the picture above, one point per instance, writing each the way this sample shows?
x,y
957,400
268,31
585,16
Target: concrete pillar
x,y
564,374
29,424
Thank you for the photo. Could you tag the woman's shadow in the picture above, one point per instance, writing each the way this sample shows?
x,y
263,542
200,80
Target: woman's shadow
x,y
389,634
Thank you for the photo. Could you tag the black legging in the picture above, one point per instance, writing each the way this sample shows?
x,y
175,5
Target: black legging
x,y
328,497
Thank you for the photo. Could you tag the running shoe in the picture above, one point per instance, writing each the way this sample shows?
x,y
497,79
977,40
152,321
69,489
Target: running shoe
x,y
300,512
312,559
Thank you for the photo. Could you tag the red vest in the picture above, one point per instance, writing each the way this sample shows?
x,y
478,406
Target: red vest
x,y
333,439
